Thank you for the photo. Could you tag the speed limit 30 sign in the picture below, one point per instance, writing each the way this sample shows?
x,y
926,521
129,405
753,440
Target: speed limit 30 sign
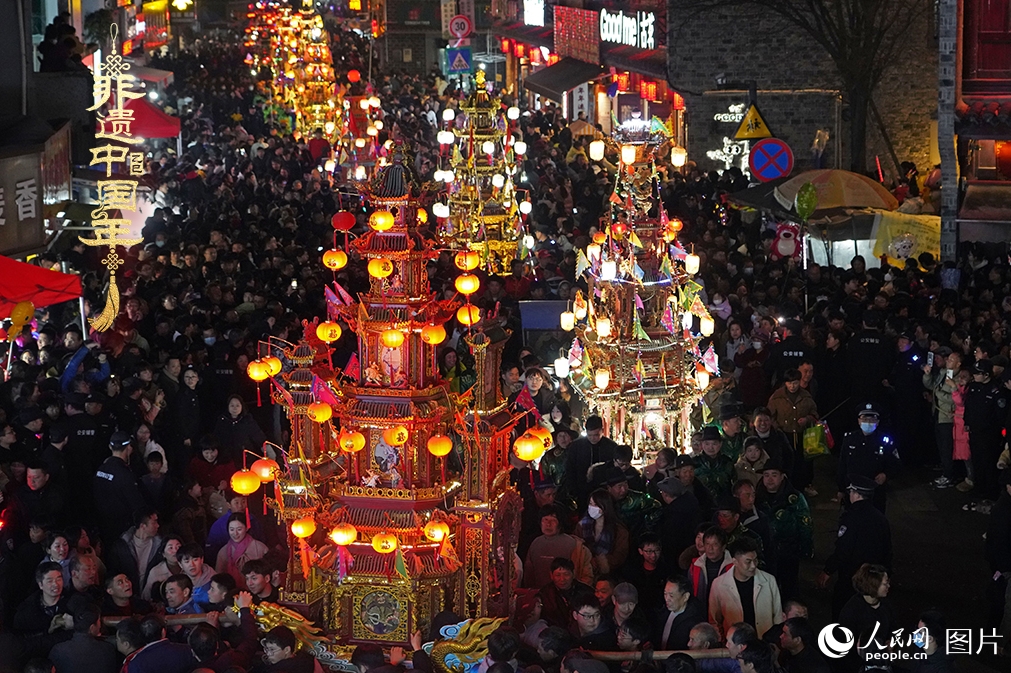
x,y
460,26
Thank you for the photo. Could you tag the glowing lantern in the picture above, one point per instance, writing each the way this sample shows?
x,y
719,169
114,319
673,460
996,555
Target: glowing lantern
x,y
433,334
707,325
678,156
381,220
354,76
593,251
468,315
618,230
561,367
273,365
449,114
343,221
692,263
335,259
603,327
304,527
244,482
602,378
397,436
344,534
422,216
599,237
439,445
321,412
528,447
488,147
258,370
328,331
265,469
380,268
392,338
676,225
467,260
364,103
385,543
597,150
608,269
628,154
351,442
467,284
543,434
436,531
567,320
702,378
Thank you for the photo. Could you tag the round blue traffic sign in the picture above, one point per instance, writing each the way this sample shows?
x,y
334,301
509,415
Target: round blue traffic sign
x,y
770,158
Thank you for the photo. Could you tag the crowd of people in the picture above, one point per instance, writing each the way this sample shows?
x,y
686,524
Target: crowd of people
x,y
116,448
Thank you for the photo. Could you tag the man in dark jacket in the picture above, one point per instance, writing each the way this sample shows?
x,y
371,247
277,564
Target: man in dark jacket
x,y
279,647
679,517
684,468
42,619
681,612
799,644
86,652
584,452
788,353
864,537
117,496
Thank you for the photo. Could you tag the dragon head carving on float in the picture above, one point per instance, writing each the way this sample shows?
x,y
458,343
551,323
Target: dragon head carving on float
x,y
467,647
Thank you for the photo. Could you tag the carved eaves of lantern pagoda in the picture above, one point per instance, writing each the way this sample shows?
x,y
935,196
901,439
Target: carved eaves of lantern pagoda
x,y
392,577
635,357
483,203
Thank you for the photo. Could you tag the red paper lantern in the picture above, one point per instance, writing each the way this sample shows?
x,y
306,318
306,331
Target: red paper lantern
x,y
506,46
343,221
354,76
677,101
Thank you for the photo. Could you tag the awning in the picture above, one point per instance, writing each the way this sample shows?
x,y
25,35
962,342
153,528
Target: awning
x,y
27,282
988,201
540,36
153,75
150,122
555,81
649,62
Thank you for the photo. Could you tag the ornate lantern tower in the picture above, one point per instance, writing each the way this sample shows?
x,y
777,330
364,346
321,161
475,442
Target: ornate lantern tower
x,y
636,357
482,211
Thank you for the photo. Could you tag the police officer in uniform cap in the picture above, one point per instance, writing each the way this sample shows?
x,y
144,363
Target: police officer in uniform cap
x,y
864,537
867,452
985,412
115,489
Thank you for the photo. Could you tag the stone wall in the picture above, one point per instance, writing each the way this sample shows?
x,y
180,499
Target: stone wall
x,y
798,85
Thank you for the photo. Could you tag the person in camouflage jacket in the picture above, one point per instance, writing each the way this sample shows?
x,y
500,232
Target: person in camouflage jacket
x,y
712,467
790,524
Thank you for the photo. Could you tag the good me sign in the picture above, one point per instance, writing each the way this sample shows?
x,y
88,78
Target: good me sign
x,y
633,30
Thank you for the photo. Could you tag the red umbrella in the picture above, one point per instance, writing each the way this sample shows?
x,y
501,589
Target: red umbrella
x,y
25,282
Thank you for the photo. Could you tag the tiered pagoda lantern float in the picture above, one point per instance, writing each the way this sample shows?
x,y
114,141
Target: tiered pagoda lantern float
x,y
636,353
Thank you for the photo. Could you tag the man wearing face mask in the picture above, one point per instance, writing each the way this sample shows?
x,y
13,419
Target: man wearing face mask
x,y
867,453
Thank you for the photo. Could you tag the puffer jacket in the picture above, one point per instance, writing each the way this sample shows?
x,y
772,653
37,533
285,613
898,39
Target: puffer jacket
x,y
752,471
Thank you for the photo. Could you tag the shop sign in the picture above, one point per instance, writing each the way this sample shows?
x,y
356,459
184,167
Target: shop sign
x,y
631,30
533,12
21,226
581,101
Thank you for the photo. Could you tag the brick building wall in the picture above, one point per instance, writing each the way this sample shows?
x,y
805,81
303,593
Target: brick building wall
x,y
798,86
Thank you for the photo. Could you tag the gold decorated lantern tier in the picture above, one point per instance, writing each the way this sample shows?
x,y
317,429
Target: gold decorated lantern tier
x,y
482,199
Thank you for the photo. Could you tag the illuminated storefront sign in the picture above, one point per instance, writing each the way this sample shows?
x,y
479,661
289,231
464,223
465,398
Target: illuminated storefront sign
x,y
632,30
533,12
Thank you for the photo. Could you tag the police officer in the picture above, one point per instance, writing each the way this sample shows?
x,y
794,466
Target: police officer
x,y
867,452
788,353
869,357
864,537
985,411
115,489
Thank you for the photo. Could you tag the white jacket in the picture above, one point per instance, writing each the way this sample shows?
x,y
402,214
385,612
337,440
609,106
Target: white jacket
x,y
725,603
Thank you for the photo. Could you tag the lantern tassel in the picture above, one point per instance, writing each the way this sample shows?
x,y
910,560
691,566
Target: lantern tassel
x,y
111,310
304,548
